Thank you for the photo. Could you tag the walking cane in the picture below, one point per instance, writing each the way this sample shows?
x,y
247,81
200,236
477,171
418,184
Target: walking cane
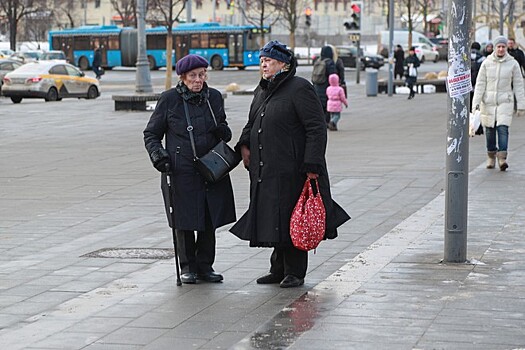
x,y
172,213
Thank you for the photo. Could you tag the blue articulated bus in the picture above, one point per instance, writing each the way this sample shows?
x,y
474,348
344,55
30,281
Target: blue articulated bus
x,y
116,44
222,46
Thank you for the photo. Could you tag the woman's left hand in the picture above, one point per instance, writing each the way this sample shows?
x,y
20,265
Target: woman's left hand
x,y
312,176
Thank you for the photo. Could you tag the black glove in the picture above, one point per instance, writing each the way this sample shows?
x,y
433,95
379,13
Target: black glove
x,y
222,132
161,160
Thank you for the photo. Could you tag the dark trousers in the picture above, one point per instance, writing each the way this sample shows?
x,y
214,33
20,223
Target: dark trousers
x,y
197,254
289,261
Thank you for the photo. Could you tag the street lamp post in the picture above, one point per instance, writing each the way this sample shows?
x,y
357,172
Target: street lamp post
x,y
143,77
457,150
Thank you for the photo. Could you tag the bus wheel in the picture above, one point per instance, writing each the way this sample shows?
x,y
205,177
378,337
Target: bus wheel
x,y
16,99
152,63
242,68
216,63
83,63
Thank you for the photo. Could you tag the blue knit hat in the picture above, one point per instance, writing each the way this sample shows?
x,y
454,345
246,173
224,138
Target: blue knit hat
x,y
276,50
190,62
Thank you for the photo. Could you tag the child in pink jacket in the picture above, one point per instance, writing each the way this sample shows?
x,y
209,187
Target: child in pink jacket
x,y
336,98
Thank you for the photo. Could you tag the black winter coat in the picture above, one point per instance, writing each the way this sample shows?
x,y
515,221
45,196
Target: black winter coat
x,y
415,61
286,134
192,196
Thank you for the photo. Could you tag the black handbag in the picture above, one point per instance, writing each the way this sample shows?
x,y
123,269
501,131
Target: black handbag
x,y
219,161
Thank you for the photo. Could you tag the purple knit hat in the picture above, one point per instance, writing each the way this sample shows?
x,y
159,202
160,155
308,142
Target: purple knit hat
x,y
190,62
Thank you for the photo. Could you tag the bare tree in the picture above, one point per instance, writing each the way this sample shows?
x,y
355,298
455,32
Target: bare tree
x,y
127,10
167,12
15,10
290,11
260,13
37,24
65,8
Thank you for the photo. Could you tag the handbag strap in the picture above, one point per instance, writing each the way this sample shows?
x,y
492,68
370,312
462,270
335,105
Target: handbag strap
x,y
211,110
190,129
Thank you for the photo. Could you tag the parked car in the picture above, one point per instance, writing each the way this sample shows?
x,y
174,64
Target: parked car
x,y
51,80
53,55
5,53
7,65
348,55
26,56
442,47
425,53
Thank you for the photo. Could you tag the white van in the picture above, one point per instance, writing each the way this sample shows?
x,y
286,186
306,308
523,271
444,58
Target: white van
x,y
400,38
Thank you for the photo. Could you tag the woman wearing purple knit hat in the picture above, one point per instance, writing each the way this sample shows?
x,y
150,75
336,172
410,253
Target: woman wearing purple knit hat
x,y
198,206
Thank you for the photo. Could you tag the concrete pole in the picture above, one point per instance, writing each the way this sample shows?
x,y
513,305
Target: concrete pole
x,y
501,17
456,195
143,77
391,46
188,12
85,12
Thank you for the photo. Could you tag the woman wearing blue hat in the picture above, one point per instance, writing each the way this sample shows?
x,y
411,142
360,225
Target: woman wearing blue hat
x,y
283,144
198,206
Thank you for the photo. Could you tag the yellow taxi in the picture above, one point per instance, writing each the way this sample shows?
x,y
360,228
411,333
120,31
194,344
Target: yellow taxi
x,y
50,80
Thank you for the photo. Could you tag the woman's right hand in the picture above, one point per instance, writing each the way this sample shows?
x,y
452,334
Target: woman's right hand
x,y
245,154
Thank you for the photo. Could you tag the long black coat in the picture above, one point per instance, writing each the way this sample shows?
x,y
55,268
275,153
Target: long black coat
x,y
192,196
286,134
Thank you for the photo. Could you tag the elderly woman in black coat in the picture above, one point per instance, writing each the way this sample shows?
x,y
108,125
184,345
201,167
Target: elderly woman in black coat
x,y
198,205
283,144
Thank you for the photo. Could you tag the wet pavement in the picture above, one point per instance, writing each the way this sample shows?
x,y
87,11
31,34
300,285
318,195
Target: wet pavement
x,y
85,249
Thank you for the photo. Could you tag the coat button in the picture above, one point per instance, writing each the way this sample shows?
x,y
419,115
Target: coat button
x,y
262,114
260,147
261,163
259,180
259,131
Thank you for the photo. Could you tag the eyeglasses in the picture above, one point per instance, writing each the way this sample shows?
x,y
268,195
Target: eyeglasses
x,y
194,76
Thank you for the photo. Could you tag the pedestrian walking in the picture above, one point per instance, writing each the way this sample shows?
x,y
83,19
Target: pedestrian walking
x,y
339,69
517,53
499,80
97,63
283,144
411,63
336,98
399,65
323,67
476,58
198,206
489,49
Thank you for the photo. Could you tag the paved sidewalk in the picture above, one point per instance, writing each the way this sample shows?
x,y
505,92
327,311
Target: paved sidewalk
x,y
78,181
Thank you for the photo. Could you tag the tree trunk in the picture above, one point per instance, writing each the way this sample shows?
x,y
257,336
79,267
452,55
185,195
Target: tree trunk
x,y
12,33
169,63
291,39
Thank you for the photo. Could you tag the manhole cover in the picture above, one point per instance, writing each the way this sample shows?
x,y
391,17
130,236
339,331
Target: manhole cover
x,y
131,253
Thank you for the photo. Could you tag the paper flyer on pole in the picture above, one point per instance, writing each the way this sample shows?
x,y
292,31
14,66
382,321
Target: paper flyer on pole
x,y
459,84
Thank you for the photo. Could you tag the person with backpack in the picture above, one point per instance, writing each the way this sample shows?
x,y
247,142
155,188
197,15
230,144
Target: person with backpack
x,y
323,67
336,98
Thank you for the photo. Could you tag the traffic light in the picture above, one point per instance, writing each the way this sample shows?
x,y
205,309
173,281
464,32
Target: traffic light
x,y
308,16
354,23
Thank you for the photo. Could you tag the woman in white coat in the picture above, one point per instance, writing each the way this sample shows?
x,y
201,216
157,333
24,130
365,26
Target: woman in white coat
x,y
499,82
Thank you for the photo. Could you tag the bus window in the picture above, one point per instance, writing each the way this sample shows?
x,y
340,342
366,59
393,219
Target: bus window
x,y
113,43
252,42
218,40
82,43
156,42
